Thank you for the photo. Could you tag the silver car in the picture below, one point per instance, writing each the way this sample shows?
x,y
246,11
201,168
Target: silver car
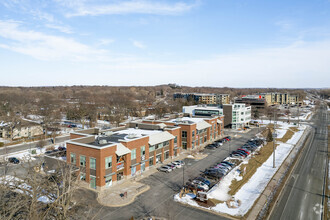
x,y
166,169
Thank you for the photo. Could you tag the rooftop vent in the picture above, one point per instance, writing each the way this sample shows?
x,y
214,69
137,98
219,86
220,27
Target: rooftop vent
x,y
103,141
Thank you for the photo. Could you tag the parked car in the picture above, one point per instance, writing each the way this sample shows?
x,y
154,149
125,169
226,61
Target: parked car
x,y
171,165
181,162
207,182
176,164
246,151
211,147
201,184
192,187
13,160
236,155
213,175
165,169
61,148
230,164
217,144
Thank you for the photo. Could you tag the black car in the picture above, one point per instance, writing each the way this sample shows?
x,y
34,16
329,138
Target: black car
x,y
211,147
13,160
226,162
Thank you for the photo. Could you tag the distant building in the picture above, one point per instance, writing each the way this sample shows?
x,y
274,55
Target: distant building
x,y
276,98
204,98
237,116
202,110
24,129
255,101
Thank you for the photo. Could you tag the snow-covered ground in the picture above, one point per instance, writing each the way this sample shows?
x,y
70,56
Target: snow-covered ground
x,y
26,155
21,187
251,190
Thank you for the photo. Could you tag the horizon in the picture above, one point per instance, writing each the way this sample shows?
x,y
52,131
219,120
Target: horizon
x,y
141,42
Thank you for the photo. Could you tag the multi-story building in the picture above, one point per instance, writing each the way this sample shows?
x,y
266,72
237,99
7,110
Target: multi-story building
x,y
276,98
255,101
108,157
204,98
196,131
237,115
202,110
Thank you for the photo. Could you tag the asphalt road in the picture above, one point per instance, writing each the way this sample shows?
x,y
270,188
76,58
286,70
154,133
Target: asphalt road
x,y
302,196
158,201
26,146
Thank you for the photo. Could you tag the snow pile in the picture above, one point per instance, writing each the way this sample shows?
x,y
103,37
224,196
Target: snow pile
x,y
220,191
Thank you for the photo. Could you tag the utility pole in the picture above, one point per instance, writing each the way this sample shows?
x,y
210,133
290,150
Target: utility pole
x,y
274,137
183,176
298,110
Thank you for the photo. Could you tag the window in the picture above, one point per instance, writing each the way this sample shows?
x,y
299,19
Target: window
x,y
167,143
82,160
184,134
151,148
108,181
160,145
92,163
143,150
133,171
133,154
175,140
83,176
193,133
108,162
151,161
184,145
73,158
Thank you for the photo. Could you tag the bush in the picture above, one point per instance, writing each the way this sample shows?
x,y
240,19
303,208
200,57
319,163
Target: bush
x,y
34,152
2,144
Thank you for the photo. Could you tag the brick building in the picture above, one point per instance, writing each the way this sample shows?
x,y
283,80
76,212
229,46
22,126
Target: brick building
x,y
106,157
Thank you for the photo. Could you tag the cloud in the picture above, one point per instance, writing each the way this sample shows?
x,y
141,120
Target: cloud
x,y
138,44
45,47
84,8
60,28
103,42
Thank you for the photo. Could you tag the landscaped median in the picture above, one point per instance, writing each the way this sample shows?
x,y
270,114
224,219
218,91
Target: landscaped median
x,y
237,192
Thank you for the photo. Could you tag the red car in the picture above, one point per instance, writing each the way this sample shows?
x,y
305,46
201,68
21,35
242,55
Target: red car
x,y
244,151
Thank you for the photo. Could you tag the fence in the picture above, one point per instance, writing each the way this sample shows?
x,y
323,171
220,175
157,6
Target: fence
x,y
288,163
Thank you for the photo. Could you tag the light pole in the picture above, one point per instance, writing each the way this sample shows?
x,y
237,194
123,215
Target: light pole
x,y
183,176
274,138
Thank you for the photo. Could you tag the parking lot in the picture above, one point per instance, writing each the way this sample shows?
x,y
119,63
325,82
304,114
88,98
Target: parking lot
x,y
158,201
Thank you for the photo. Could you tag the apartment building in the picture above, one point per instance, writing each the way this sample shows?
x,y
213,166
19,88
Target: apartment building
x,y
111,156
204,98
276,98
237,115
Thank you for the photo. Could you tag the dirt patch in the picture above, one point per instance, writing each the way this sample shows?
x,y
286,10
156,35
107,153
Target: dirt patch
x,y
251,167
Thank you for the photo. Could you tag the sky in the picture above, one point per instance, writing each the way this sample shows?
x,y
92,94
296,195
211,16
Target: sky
x,y
233,43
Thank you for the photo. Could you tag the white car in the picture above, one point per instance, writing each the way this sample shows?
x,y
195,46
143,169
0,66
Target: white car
x,y
201,184
166,169
176,164
180,161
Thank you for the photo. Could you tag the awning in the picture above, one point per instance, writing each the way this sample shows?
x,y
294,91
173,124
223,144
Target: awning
x,y
202,125
122,150
219,122
160,137
110,174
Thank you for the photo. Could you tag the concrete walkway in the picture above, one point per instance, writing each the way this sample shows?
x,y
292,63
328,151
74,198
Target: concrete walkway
x,y
122,194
